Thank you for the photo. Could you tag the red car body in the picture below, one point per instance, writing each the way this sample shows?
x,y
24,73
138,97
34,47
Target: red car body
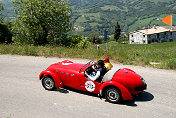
x,y
67,73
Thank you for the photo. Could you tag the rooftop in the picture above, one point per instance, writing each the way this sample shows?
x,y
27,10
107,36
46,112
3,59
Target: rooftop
x,y
157,29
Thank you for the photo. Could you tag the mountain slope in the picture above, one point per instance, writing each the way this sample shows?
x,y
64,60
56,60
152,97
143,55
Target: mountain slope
x,y
97,15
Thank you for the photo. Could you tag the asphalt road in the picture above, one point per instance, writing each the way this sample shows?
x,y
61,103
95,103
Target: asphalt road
x,y
22,95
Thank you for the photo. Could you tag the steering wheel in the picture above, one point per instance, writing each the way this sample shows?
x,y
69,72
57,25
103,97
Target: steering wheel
x,y
90,71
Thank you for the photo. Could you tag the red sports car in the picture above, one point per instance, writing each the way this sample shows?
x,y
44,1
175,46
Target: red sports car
x,y
116,84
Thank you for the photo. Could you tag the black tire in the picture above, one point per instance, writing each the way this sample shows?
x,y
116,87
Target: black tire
x,y
48,83
113,95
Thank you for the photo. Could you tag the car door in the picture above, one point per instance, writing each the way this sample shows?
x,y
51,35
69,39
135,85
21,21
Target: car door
x,y
69,78
89,85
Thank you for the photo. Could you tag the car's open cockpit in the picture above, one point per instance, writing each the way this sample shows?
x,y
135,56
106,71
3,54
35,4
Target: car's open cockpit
x,y
90,69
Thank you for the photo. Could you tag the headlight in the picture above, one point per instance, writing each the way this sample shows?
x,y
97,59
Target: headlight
x,y
142,79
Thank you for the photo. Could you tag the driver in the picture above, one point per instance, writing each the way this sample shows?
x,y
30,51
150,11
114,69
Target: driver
x,y
100,72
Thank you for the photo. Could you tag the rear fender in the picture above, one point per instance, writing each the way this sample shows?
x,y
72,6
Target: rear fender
x,y
129,70
124,92
58,82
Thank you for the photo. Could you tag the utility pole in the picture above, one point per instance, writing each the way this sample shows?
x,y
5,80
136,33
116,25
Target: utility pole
x,y
106,39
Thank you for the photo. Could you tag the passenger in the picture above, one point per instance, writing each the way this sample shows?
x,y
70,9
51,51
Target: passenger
x,y
107,64
100,71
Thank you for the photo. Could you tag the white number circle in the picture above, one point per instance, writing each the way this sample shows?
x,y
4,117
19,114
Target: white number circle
x,y
90,86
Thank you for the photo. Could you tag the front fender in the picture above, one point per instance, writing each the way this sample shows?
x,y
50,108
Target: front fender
x,y
58,82
126,95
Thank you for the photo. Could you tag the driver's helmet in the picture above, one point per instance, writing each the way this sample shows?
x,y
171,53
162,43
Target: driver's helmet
x,y
106,59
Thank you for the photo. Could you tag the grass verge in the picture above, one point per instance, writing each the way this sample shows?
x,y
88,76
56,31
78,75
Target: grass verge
x,y
158,55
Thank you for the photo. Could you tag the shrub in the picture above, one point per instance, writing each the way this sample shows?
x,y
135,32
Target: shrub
x,y
5,32
94,38
83,43
76,40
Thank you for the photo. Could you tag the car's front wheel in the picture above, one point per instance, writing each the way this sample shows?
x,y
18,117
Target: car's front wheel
x,y
113,95
48,83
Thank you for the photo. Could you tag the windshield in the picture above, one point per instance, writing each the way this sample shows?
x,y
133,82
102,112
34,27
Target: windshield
x,y
84,67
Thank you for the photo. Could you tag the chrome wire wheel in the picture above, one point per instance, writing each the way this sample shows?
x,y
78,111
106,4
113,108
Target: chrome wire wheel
x,y
113,95
48,83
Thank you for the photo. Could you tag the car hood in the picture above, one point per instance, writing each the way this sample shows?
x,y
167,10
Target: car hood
x,y
66,65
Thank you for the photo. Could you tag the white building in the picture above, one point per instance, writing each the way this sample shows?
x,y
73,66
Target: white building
x,y
155,34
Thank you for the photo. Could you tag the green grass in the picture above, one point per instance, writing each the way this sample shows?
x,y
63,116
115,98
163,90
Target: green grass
x,y
140,23
92,16
97,15
156,1
162,53
110,7
160,23
80,19
95,24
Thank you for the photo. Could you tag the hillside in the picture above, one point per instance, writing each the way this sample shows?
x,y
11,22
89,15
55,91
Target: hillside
x,y
97,15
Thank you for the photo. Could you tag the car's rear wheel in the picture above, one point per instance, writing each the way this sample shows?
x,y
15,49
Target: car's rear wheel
x,y
48,83
113,95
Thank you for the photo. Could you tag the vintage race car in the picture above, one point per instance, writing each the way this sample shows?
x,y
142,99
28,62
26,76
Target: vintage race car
x,y
116,85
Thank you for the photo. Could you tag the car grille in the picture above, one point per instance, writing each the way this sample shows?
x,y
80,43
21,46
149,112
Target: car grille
x,y
141,88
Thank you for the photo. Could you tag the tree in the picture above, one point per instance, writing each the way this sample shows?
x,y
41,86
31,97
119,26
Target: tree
x,y
94,38
5,32
117,32
42,22
1,8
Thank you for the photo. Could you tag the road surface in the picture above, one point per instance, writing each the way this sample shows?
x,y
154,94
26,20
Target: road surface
x,y
22,95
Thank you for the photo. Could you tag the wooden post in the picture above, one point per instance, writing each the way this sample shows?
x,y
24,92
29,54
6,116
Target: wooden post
x,y
107,45
98,49
106,39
